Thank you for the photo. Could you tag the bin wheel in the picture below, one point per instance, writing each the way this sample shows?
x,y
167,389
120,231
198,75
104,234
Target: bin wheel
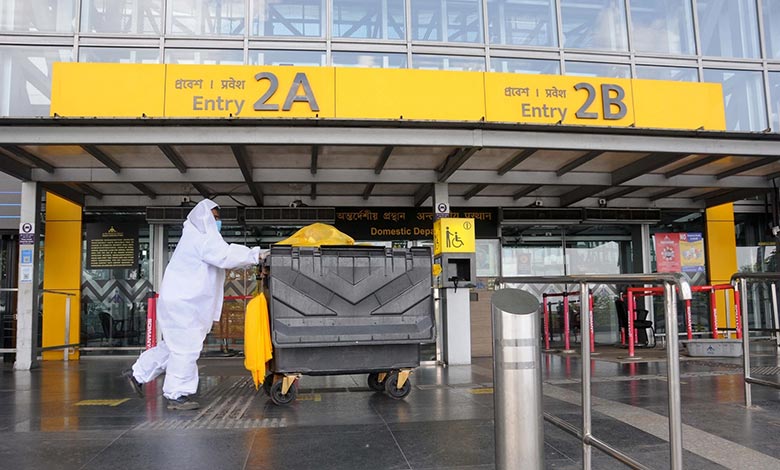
x,y
374,383
391,387
269,380
283,399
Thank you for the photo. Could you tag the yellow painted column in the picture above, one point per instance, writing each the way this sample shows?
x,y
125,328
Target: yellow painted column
x,y
721,245
62,273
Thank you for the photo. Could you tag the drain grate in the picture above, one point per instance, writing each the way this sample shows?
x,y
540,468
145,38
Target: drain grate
x,y
226,409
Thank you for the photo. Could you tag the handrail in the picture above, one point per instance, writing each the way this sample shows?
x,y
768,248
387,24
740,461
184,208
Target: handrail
x,y
739,281
65,347
669,281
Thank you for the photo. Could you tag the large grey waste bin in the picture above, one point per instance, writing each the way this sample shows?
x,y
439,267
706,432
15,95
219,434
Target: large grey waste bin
x,y
517,380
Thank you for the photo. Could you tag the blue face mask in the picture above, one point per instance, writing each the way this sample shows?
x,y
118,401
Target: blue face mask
x,y
219,225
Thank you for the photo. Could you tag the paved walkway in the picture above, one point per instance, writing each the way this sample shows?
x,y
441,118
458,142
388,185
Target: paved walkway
x,y
83,416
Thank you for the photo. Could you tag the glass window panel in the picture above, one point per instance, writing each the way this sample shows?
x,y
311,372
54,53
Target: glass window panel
x,y
447,20
743,97
277,57
592,69
774,92
122,16
594,24
204,56
368,59
677,74
547,67
40,16
121,55
369,19
664,26
771,11
443,62
206,17
288,18
728,28
522,22
25,84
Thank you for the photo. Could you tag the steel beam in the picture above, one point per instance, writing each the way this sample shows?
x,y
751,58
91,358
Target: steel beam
x,y
65,191
12,167
315,152
664,194
174,158
380,165
239,152
454,162
711,194
620,193
87,189
526,191
313,193
735,195
474,191
693,165
516,159
102,157
29,157
577,162
579,194
756,163
202,189
146,190
368,190
643,166
422,193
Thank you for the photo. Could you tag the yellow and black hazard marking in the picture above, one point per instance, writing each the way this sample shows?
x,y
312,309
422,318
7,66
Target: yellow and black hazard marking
x,y
481,391
116,402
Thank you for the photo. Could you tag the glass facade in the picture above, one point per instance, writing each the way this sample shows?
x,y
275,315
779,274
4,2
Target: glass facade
x,y
736,43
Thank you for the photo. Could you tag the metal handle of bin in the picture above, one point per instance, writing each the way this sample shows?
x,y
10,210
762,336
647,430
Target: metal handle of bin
x,y
669,281
739,281
517,373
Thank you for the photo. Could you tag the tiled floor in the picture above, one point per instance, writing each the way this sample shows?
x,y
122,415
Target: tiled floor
x,y
48,422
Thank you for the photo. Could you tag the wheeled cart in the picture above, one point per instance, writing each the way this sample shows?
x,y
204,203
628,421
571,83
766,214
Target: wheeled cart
x,y
348,310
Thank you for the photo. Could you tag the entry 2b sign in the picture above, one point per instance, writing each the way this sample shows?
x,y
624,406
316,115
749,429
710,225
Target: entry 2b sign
x,y
679,252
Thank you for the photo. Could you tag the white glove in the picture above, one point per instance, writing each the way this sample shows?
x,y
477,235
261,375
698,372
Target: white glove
x,y
264,254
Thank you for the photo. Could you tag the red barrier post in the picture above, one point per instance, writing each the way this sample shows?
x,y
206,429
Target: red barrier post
x,y
566,344
713,314
151,320
688,321
738,313
630,332
546,311
590,311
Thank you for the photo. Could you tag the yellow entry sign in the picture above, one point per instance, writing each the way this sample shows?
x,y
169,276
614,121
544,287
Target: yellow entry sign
x,y
451,235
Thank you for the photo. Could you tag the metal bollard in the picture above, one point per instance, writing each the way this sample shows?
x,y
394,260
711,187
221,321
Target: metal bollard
x,y
517,380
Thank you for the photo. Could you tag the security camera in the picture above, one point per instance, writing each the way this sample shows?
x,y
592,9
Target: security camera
x,y
602,203
185,199
538,203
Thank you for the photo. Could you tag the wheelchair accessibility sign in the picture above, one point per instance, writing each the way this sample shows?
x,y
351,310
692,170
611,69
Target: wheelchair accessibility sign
x,y
452,235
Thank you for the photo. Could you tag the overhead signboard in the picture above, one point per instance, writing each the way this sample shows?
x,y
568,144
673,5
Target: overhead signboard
x,y
408,223
238,91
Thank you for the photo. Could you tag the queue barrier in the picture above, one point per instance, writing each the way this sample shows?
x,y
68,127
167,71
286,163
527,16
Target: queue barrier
x,y
566,319
668,282
739,281
634,292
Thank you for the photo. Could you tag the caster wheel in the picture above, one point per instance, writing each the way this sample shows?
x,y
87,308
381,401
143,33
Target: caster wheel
x,y
269,380
391,387
374,383
283,399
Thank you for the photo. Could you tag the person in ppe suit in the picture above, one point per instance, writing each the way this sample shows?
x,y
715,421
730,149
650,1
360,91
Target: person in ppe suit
x,y
190,301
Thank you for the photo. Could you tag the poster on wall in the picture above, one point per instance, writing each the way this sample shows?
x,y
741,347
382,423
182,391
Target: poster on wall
x,y
111,246
679,252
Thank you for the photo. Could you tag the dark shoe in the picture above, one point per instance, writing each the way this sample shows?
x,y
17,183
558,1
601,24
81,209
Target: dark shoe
x,y
182,403
138,387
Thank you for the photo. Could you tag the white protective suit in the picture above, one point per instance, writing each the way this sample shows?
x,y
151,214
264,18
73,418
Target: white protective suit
x,y
190,301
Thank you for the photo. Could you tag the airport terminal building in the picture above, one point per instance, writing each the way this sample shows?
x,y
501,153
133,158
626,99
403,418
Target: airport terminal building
x,y
578,134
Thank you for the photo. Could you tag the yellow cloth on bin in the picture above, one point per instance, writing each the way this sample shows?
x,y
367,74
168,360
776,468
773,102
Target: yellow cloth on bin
x,y
318,234
257,338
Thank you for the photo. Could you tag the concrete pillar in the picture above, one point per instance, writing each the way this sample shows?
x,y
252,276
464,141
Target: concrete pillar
x,y
27,300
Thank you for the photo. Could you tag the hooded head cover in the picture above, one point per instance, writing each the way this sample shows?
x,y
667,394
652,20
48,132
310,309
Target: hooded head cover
x,y
201,217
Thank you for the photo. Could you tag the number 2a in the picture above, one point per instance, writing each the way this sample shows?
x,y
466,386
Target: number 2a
x,y
607,101
300,81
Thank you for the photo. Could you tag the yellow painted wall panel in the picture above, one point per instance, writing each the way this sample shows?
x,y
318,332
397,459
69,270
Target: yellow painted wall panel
x,y
679,105
409,94
721,251
107,90
61,272
554,99
249,92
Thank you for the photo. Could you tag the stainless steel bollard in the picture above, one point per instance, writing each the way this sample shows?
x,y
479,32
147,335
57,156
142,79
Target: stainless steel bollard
x,y
517,380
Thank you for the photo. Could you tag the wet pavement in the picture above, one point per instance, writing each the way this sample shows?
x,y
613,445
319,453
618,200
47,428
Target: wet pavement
x,y
83,415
